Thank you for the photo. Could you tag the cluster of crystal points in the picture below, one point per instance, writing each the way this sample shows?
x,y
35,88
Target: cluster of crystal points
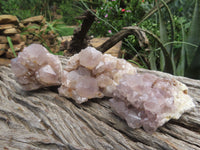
x,y
143,100
35,67
90,74
147,101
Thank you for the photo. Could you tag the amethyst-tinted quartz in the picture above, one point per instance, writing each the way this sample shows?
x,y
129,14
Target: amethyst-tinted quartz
x,y
35,67
90,74
148,101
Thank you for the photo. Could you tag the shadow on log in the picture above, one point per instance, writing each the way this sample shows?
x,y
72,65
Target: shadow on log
x,y
43,120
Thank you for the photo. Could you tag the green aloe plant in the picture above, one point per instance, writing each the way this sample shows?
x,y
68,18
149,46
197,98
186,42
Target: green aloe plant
x,y
181,64
163,37
193,37
187,61
173,51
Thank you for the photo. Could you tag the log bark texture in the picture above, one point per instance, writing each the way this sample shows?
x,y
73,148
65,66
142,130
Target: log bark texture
x,y
42,119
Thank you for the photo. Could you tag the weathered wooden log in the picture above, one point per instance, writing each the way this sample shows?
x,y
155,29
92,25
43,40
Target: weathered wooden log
x,y
42,119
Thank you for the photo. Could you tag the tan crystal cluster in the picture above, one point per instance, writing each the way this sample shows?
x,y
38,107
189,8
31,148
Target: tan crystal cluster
x,y
147,101
90,74
35,67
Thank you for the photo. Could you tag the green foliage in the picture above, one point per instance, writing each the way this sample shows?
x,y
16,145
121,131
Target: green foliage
x,y
69,10
67,31
194,33
11,45
181,64
181,45
163,37
192,54
174,37
26,8
183,8
57,26
194,69
94,3
13,7
113,12
104,26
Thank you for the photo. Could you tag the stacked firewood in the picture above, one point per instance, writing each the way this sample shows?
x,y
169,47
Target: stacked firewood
x,y
24,33
37,31
32,28
10,27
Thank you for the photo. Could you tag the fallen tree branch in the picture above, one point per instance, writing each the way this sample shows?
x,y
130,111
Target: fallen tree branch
x,y
136,31
79,39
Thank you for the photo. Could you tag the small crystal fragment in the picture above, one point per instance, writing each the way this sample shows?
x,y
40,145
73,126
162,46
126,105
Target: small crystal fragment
x,y
147,101
90,74
35,67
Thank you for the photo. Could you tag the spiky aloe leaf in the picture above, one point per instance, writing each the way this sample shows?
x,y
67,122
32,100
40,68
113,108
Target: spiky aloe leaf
x,y
152,60
194,70
172,31
168,64
163,36
180,70
193,35
152,11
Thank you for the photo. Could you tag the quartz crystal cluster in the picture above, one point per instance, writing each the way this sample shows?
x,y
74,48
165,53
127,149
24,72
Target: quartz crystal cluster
x,y
148,101
35,67
90,74
143,100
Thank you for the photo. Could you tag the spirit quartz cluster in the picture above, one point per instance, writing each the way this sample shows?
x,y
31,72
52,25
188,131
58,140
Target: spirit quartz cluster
x,y
143,100
90,74
147,101
35,67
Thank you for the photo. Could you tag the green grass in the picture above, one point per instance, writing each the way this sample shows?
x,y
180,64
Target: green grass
x,y
11,45
67,31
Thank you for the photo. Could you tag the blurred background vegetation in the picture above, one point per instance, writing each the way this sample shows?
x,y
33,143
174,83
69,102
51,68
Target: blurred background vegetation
x,y
172,27
68,10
